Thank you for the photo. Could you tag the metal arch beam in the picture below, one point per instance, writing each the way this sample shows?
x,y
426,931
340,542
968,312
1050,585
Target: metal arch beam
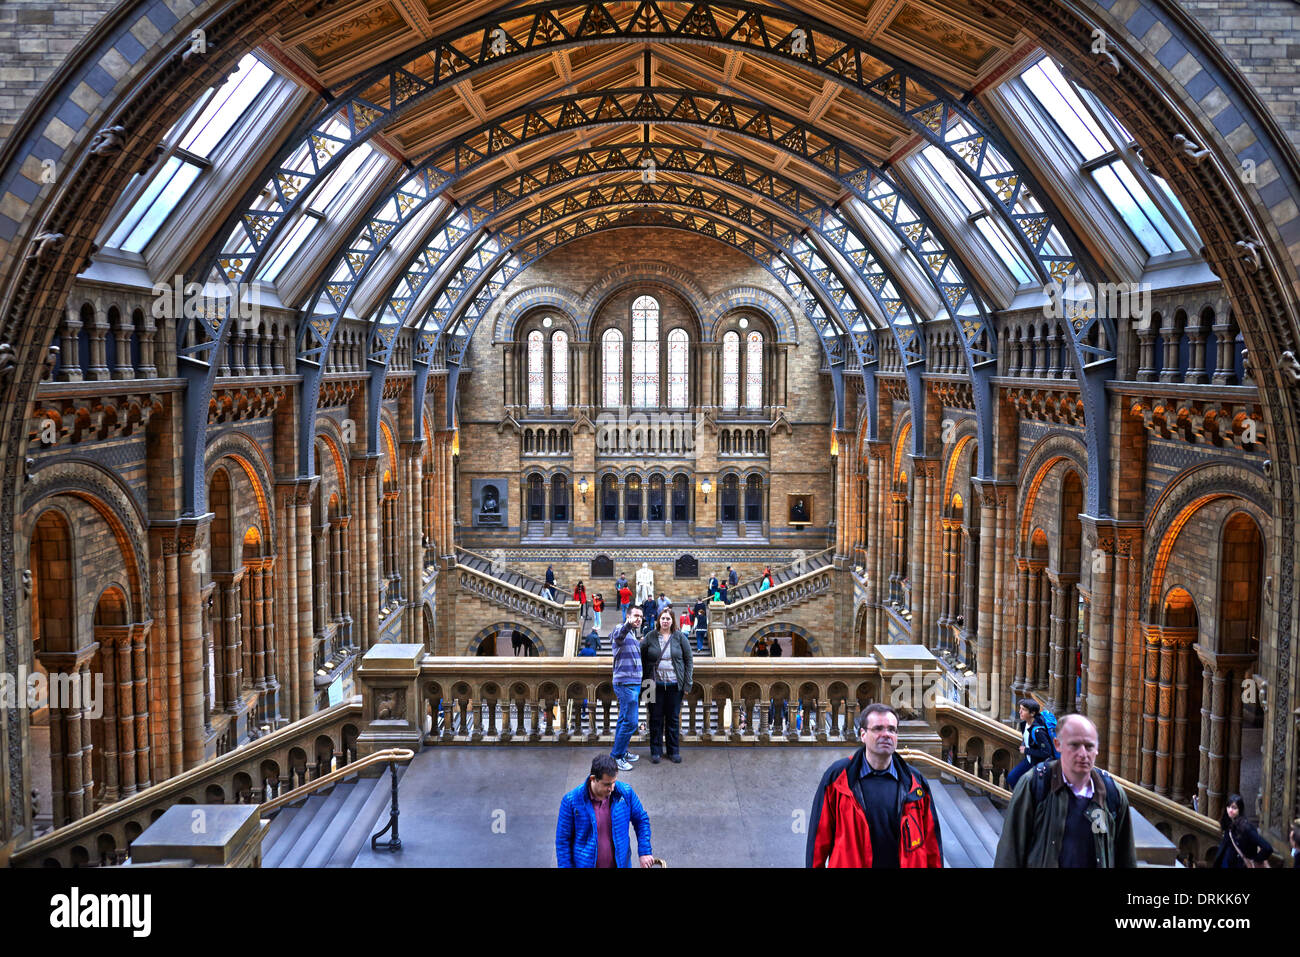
x,y
317,144
888,199
798,282
942,269
894,206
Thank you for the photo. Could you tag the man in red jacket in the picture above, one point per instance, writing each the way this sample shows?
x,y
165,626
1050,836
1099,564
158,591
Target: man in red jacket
x,y
873,810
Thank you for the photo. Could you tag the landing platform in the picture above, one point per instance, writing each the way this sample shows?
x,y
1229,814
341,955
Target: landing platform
x,y
721,807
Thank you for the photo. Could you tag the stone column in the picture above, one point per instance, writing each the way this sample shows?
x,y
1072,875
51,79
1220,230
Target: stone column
x,y
546,509
1100,664
1182,669
1023,646
1033,677
1207,706
1164,715
1056,676
190,574
987,586
1151,635
622,514
306,635
1213,807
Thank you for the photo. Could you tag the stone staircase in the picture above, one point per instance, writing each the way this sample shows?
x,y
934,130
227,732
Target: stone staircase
x,y
971,824
328,829
784,574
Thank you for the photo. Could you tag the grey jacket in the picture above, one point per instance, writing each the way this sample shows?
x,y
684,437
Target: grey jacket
x,y
1032,832
683,660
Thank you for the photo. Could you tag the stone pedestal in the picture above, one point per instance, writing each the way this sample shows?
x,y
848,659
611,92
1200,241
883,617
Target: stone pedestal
x,y
389,680
206,835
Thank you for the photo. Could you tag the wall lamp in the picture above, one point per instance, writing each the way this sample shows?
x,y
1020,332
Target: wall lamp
x,y
706,487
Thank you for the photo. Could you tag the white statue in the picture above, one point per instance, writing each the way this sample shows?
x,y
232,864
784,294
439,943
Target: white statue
x,y
645,583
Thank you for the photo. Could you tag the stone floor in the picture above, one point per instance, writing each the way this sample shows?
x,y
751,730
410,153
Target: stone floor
x,y
465,806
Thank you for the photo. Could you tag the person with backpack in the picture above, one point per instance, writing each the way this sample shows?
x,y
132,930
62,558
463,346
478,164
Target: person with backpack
x,y
1068,812
1037,729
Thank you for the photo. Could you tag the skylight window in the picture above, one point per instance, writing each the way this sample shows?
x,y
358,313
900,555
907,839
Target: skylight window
x,y
189,146
1102,143
992,229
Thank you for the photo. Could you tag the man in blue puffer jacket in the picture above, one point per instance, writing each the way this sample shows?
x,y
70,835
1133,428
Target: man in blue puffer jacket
x,y
594,817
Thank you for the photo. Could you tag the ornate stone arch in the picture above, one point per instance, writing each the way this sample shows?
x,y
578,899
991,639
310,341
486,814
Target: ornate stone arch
x,y
249,455
777,310
328,433
514,309
500,626
1044,454
1186,494
106,493
650,273
784,628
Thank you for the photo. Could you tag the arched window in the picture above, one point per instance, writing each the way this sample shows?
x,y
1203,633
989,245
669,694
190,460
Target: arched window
x,y
559,499
656,503
678,366
536,370
632,499
681,498
645,352
754,370
608,499
560,370
730,500
536,499
612,368
731,370
753,499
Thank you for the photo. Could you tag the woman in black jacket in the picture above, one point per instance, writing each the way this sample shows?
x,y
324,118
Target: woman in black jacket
x,y
667,661
1241,845
1036,741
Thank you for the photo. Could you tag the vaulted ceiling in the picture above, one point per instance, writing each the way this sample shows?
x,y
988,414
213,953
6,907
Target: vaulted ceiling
x,y
334,45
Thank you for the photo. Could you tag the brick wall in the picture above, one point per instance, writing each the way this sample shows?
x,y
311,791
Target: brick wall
x,y
35,37
1262,39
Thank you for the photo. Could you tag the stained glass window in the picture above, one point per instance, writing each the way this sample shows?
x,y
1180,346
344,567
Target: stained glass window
x,y
560,370
536,371
678,368
612,368
731,370
645,352
754,370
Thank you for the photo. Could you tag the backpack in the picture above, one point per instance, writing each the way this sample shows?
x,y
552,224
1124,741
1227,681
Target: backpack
x,y
1049,721
1038,787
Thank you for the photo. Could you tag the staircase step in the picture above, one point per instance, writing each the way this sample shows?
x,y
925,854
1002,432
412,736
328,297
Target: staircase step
x,y
990,812
273,855
345,814
310,835
980,827
967,846
283,818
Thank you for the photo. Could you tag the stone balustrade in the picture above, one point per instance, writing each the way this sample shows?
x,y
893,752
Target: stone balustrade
x,y
259,771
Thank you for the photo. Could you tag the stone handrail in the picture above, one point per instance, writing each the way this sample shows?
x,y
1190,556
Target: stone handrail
x,y
516,599
534,586
785,573
816,582
1155,807
387,756
938,764
81,841
740,700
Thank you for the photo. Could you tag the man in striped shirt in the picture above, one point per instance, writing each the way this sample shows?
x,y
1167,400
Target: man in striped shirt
x,y
626,644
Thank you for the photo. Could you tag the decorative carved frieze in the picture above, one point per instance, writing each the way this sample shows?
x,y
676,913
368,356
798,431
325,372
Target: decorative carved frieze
x,y
68,421
1059,406
954,395
337,392
1204,421
238,403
